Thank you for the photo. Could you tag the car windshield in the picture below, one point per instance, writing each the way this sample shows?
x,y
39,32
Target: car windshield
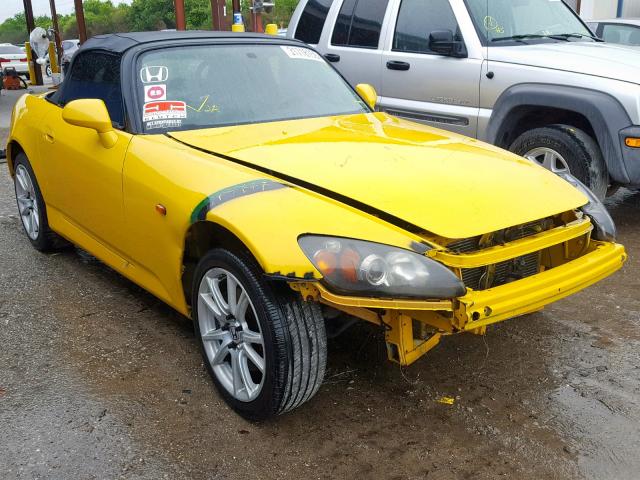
x,y
515,21
10,50
192,87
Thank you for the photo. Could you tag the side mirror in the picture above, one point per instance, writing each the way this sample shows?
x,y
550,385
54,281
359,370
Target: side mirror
x,y
91,113
368,94
443,42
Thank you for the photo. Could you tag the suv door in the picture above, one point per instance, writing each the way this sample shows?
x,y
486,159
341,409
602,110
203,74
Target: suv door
x,y
86,177
354,43
422,85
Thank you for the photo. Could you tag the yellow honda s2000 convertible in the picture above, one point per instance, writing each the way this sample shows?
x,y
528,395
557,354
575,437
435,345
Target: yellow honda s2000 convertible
x,y
242,181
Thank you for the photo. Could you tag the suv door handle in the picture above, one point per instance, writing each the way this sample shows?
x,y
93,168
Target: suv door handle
x,y
396,65
332,57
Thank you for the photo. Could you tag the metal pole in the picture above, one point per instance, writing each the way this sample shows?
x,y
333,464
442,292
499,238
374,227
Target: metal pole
x,y
217,14
82,27
180,20
31,24
56,28
578,6
620,8
256,19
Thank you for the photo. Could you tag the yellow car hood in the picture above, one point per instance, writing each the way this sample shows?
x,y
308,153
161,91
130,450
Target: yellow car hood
x,y
446,184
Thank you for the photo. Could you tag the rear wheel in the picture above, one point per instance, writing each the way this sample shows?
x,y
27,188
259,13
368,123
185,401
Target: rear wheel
x,y
264,347
562,148
31,207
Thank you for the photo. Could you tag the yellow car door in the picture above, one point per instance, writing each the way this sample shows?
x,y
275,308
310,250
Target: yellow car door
x,y
86,175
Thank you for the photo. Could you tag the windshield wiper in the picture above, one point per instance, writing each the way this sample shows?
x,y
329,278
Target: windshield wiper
x,y
579,35
529,36
555,36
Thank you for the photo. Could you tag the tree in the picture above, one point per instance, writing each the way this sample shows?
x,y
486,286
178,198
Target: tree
x,y
146,15
102,16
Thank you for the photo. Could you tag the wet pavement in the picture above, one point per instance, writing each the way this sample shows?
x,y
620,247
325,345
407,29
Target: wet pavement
x,y
100,380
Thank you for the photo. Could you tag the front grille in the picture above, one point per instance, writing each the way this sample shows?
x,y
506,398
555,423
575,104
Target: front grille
x,y
481,278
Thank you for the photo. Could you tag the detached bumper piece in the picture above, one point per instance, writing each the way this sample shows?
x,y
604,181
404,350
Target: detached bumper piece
x,y
551,265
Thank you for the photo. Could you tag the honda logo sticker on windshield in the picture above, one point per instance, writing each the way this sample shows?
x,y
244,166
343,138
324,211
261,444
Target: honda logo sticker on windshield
x,y
155,92
157,74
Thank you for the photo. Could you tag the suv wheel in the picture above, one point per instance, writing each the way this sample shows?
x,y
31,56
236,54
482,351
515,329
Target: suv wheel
x,y
561,148
264,347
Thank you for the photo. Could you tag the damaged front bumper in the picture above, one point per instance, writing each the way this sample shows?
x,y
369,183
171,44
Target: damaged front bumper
x,y
413,327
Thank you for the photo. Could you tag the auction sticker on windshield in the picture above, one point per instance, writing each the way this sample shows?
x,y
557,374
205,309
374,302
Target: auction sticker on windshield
x,y
301,53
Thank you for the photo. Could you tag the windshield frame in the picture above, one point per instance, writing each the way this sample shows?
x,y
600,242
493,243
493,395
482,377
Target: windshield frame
x,y
484,41
132,95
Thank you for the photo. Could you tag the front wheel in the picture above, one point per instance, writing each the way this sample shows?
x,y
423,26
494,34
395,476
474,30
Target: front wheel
x,y
562,148
264,347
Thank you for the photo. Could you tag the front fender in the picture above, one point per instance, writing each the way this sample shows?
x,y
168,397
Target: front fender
x,y
605,113
269,220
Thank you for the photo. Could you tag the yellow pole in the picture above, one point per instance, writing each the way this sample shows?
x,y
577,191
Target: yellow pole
x,y
53,58
32,71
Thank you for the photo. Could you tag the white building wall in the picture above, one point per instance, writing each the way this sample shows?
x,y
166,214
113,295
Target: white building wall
x,y
631,9
598,9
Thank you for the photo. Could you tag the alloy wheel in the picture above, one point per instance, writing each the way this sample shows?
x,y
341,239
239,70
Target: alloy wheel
x,y
27,202
549,159
231,334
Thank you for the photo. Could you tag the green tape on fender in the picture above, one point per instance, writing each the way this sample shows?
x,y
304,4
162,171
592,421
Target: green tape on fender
x,y
230,193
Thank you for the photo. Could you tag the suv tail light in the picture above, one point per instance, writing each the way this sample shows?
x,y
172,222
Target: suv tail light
x,y
23,59
4,60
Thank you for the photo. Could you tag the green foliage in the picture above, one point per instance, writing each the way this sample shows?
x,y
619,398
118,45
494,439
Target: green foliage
x,y
102,16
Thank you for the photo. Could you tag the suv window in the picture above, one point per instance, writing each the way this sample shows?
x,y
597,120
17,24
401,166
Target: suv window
x,y
312,20
625,34
359,23
417,19
96,75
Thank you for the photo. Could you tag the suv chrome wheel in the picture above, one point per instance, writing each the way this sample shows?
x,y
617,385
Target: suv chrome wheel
x,y
27,202
549,159
231,334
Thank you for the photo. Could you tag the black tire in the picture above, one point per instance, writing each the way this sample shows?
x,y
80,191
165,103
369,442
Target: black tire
x,y
293,331
581,153
46,239
47,70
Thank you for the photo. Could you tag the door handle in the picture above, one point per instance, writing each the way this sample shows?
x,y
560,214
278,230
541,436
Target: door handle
x,y
48,135
332,57
396,65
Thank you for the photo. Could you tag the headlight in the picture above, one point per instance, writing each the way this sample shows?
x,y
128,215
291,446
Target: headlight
x,y
372,269
605,228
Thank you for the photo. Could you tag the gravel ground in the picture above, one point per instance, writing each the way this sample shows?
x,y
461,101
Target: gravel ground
x,y
98,379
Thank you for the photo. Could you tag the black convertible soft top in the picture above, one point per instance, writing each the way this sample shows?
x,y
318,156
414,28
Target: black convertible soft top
x,y
121,42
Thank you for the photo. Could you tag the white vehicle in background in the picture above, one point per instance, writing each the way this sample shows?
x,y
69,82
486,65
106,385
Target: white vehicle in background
x,y
625,31
69,47
12,57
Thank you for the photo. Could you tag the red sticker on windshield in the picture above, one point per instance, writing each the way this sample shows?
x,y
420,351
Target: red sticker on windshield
x,y
164,110
155,92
